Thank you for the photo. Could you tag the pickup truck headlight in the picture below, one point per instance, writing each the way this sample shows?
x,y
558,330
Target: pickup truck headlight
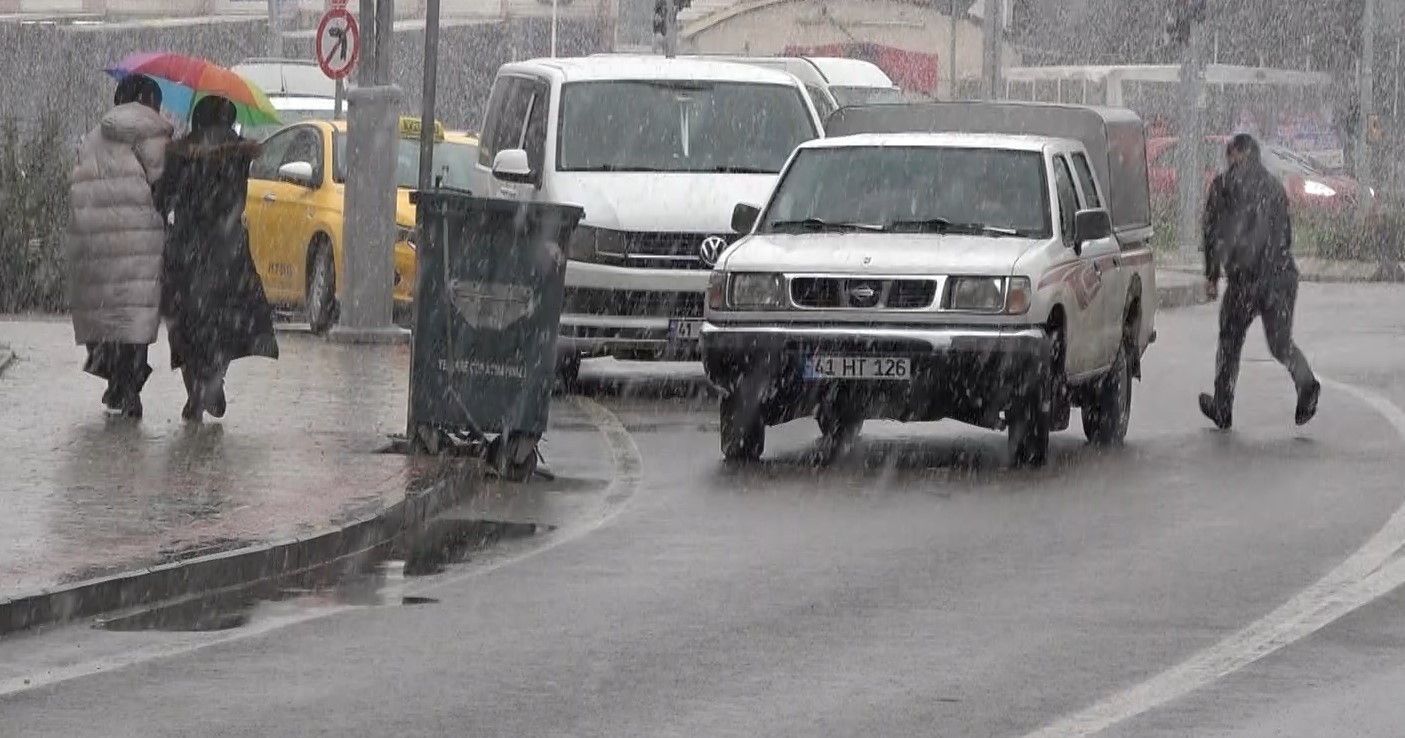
x,y
756,292
1318,189
597,245
1009,295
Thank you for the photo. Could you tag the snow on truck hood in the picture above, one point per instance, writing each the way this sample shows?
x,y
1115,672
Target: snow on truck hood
x,y
683,202
898,254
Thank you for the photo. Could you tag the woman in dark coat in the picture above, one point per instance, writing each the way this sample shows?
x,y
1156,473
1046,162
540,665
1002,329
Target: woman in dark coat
x,y
214,300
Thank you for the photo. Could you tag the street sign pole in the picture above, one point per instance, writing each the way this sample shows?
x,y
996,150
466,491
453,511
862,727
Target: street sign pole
x,y
990,50
1366,87
951,58
670,36
431,72
365,76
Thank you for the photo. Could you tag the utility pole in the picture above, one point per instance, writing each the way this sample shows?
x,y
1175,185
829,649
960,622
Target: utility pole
x,y
366,67
951,56
990,73
1366,87
385,39
1188,28
275,29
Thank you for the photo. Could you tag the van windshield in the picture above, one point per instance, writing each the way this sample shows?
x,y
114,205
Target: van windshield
x,y
847,95
680,126
912,189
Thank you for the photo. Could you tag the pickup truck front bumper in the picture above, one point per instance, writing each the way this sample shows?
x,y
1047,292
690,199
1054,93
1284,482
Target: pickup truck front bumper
x,y
967,373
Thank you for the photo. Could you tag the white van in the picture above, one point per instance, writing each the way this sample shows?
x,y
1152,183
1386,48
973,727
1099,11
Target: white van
x,y
657,151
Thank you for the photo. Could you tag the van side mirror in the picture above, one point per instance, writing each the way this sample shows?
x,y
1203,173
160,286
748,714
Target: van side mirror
x,y
510,165
297,172
744,217
1091,225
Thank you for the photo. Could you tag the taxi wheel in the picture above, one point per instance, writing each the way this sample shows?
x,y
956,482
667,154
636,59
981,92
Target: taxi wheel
x,y
321,289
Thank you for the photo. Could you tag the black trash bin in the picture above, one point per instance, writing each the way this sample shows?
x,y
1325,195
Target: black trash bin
x,y
488,296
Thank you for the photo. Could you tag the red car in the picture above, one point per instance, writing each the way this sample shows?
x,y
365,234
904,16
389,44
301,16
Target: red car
x,y
1310,190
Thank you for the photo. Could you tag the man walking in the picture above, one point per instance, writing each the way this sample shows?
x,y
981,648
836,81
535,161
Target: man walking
x,y
116,240
1248,231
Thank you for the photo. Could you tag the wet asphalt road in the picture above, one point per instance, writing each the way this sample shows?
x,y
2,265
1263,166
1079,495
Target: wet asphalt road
x,y
915,587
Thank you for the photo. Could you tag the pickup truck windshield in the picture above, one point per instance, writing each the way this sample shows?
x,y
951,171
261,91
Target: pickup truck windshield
x,y
912,189
680,126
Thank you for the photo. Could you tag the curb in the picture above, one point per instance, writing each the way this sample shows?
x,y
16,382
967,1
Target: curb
x,y
236,568
1170,296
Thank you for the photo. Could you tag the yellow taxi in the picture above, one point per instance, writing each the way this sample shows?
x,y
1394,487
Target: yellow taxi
x,y
297,194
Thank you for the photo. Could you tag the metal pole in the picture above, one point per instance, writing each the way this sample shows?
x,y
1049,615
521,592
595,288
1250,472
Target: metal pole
x,y
670,34
951,58
431,72
553,28
275,29
1366,86
366,67
385,39
990,71
338,100
1189,171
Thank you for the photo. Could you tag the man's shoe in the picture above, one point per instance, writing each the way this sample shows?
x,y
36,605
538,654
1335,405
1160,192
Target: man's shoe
x,y
131,406
1221,418
1307,402
109,398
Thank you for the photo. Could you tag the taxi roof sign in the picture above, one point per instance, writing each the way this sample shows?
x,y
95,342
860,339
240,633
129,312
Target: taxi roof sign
x,y
412,128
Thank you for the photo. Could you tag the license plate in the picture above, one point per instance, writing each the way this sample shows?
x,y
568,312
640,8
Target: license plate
x,y
685,330
857,367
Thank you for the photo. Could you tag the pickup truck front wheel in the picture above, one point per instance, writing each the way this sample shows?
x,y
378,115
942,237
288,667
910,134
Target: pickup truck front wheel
x,y
743,427
1028,422
1109,410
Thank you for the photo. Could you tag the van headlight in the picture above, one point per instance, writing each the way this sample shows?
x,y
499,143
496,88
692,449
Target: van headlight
x,y
1009,295
756,292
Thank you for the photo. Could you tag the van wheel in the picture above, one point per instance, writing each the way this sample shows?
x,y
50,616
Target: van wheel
x,y
1107,415
321,298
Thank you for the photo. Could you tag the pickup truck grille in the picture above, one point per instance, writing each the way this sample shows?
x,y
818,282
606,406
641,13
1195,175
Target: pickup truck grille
x,y
633,303
664,250
821,293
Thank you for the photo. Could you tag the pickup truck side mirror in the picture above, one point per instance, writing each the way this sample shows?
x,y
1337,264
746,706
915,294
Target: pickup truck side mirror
x,y
744,217
1091,225
510,165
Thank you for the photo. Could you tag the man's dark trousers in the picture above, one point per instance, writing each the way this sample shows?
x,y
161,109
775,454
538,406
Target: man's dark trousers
x,y
1273,300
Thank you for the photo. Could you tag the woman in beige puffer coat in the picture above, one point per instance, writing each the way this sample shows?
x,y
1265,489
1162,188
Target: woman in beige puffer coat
x,y
116,239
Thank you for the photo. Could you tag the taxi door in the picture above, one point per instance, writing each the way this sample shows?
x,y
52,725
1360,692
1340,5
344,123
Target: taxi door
x,y
289,213
264,222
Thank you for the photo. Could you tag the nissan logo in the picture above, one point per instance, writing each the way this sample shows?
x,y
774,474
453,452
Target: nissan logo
x,y
711,248
862,294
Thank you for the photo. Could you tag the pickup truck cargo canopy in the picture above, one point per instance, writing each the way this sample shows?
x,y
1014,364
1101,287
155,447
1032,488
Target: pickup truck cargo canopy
x,y
1114,137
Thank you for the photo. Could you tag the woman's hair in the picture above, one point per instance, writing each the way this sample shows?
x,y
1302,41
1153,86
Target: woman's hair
x,y
138,88
213,111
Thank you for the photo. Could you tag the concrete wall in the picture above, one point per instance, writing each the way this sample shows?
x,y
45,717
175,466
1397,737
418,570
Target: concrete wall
x,y
766,27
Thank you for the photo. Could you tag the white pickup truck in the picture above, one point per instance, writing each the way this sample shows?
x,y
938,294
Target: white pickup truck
x,y
984,262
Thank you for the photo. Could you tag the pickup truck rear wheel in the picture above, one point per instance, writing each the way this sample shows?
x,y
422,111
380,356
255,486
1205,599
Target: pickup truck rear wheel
x,y
1109,411
743,428
1028,423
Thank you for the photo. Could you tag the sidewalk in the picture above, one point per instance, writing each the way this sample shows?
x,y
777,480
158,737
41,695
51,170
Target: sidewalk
x,y
87,496
1310,269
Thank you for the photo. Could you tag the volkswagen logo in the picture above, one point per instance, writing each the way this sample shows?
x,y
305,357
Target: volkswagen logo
x,y
711,248
863,295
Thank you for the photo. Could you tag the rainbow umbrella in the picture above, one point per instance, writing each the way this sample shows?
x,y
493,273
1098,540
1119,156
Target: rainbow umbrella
x,y
185,79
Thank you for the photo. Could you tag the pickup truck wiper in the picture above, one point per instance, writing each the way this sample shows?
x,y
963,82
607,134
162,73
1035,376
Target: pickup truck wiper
x,y
818,224
727,169
942,225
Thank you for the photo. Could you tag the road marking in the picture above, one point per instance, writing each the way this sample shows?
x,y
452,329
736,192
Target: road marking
x,y
1366,575
628,464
